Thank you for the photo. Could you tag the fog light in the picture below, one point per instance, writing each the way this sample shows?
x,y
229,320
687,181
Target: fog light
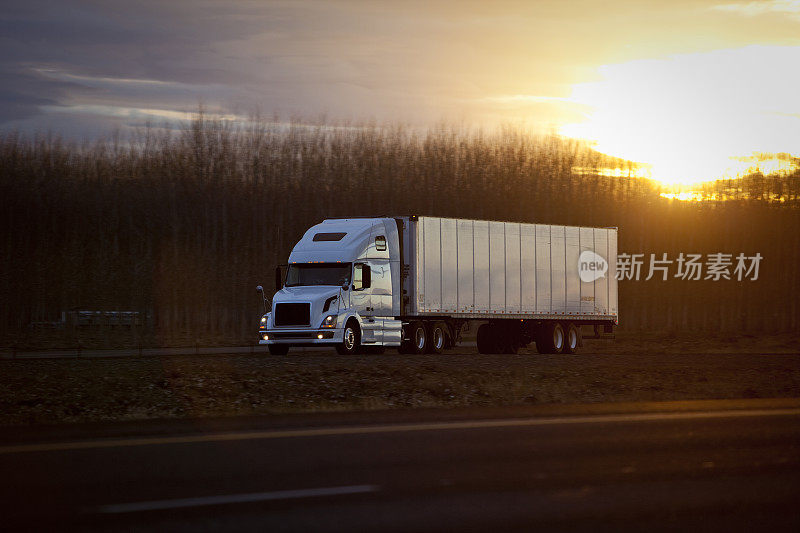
x,y
265,337
319,336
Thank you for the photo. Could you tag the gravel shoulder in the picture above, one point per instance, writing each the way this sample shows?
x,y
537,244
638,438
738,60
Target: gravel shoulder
x,y
50,391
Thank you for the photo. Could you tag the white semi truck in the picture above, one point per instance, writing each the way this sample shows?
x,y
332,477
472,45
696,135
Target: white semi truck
x,y
418,283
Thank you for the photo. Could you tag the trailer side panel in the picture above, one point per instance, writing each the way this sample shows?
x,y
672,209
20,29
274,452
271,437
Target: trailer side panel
x,y
480,269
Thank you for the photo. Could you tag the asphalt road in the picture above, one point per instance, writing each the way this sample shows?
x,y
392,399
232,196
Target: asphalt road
x,y
131,352
160,352
720,466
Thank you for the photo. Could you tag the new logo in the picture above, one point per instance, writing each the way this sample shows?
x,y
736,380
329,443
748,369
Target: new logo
x,y
591,266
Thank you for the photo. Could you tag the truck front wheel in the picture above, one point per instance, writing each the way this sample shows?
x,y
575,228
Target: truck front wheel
x,y
351,339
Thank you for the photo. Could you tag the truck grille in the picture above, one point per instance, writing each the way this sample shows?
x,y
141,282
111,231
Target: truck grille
x,y
292,314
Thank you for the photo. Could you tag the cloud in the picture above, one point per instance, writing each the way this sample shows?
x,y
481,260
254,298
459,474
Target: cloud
x,y
22,92
291,57
526,98
752,9
417,62
138,114
151,54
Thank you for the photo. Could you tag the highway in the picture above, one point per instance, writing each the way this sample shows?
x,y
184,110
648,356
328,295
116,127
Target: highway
x,y
163,351
718,466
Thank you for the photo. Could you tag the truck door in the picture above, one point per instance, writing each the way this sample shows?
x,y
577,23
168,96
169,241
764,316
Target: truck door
x,y
378,255
361,299
381,287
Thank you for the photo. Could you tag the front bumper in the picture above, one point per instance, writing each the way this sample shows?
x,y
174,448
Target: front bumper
x,y
307,337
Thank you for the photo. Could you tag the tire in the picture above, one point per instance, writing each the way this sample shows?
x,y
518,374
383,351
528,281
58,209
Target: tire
x,y
436,338
419,338
406,346
572,339
278,349
351,339
551,338
485,339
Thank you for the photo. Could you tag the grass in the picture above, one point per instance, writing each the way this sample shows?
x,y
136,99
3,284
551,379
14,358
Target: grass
x,y
57,391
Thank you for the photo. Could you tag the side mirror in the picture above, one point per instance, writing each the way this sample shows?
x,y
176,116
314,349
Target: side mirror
x,y
358,277
345,284
362,276
260,290
278,278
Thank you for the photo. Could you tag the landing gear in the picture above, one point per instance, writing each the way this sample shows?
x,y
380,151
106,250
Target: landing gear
x,y
486,339
502,338
510,344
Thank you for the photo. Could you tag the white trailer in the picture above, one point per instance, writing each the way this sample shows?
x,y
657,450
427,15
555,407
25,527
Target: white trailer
x,y
417,283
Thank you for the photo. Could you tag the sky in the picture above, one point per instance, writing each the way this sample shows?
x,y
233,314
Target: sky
x,y
692,88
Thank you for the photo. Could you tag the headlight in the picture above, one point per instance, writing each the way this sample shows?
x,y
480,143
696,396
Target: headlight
x,y
329,322
264,322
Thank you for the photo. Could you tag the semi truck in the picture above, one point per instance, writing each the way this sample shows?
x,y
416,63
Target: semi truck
x,y
421,284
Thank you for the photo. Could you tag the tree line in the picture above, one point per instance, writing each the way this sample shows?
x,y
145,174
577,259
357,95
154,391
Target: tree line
x,y
182,223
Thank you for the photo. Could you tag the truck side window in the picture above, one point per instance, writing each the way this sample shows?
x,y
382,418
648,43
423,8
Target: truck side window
x,y
380,243
362,278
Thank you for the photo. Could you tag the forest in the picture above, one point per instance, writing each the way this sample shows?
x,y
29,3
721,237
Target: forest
x,y
181,223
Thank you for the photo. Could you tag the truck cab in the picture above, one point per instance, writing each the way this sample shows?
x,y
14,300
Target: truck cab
x,y
341,289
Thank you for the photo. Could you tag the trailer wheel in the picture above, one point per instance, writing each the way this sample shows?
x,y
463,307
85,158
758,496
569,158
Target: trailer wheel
x,y
551,338
436,338
572,339
351,340
419,338
278,349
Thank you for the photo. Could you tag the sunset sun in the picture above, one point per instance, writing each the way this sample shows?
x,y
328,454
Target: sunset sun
x,y
694,117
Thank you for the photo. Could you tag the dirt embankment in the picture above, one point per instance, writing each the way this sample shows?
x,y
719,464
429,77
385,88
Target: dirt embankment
x,y
71,390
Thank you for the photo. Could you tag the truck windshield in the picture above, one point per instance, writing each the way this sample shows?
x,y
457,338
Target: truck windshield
x,y
317,274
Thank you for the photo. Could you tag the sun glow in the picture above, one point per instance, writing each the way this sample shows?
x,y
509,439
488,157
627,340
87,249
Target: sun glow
x,y
687,196
695,117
